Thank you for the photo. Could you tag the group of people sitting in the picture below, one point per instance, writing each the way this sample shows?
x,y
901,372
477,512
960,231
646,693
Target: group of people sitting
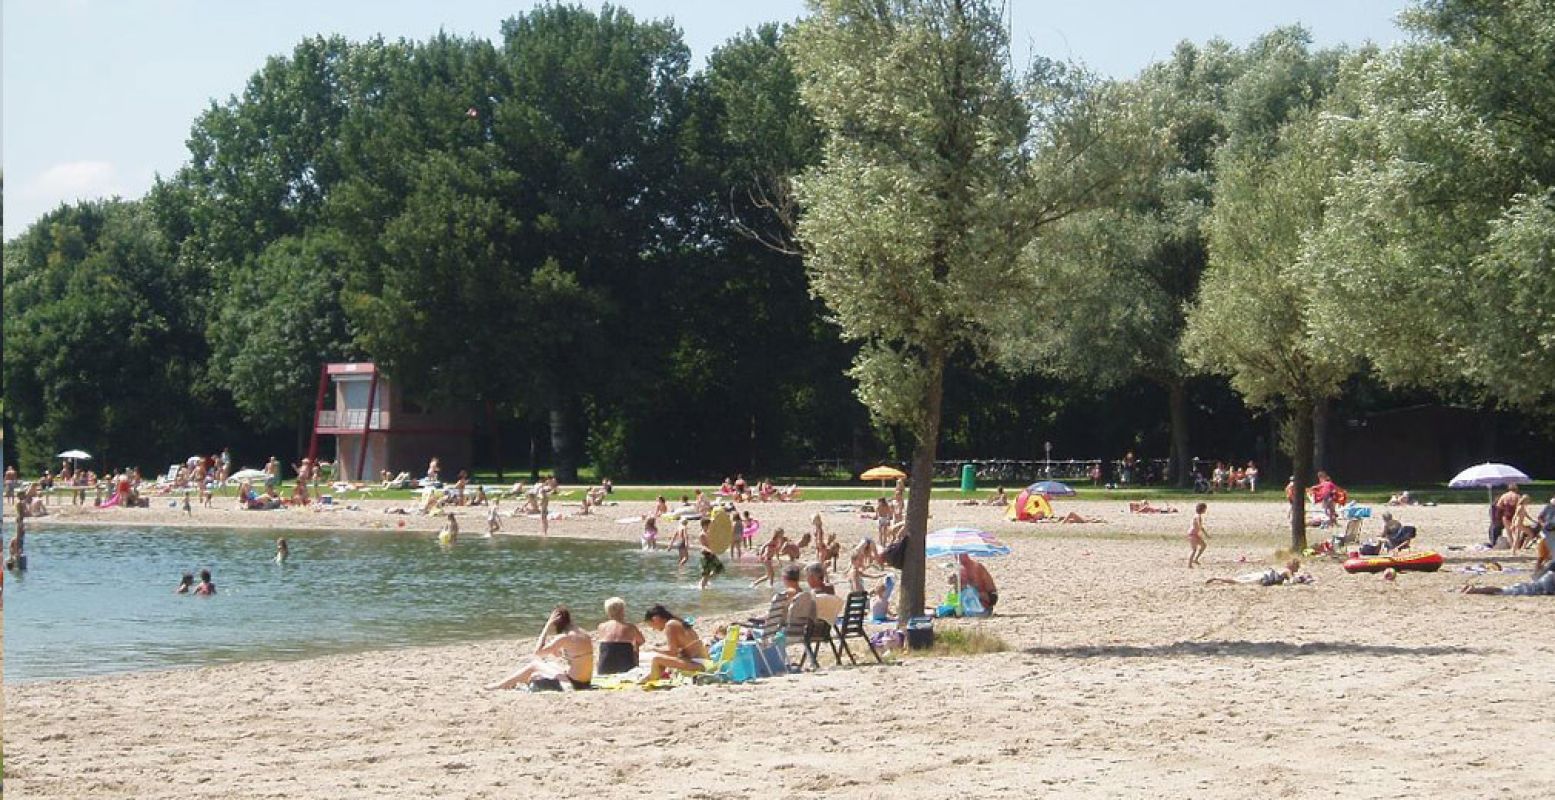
x,y
764,491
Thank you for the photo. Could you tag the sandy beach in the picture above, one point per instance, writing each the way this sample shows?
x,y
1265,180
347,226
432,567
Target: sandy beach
x,y
1126,677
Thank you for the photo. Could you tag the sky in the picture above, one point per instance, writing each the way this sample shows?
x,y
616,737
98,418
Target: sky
x,y
98,95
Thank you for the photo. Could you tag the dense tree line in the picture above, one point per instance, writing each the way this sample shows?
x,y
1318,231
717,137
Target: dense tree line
x,y
668,272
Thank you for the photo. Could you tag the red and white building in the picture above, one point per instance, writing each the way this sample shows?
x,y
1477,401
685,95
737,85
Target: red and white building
x,y
376,429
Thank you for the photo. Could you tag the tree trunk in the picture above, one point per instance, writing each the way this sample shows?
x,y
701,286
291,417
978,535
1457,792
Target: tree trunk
x,y
920,486
564,462
1322,412
1301,420
1177,406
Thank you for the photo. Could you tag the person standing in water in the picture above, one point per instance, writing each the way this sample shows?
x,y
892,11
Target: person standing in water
x,y
493,524
711,566
450,532
185,584
207,586
282,552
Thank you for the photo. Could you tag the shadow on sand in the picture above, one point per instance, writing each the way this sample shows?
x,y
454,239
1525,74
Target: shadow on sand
x,y
1244,649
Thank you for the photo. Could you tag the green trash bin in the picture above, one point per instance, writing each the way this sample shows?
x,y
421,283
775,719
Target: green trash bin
x,y
968,478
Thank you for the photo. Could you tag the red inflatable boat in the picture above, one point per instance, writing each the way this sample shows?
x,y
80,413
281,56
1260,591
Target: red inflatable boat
x,y
1423,561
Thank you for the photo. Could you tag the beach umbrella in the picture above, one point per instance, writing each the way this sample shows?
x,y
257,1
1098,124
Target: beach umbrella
x,y
882,473
248,475
80,455
948,542
1050,488
1487,475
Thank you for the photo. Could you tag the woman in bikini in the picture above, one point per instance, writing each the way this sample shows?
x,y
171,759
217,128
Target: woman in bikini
x,y
568,658
682,649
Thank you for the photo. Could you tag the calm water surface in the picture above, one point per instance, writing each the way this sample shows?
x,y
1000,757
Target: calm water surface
x,y
100,601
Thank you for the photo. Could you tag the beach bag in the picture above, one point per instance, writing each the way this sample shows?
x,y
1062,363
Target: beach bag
x,y
896,554
971,604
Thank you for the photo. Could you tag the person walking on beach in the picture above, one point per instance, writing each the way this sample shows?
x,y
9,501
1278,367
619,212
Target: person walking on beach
x,y
545,510
1198,535
711,566
188,509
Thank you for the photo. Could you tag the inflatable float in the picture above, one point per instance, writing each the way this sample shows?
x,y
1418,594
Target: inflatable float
x,y
1423,561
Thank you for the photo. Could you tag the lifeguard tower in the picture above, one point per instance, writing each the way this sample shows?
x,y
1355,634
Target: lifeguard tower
x,y
376,429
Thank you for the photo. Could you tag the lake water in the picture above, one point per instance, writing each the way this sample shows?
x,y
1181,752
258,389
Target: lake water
x,y
100,601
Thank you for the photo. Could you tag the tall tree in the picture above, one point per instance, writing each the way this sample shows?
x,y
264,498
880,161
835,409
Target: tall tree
x,y
1252,318
104,347
934,175
1116,281
1439,240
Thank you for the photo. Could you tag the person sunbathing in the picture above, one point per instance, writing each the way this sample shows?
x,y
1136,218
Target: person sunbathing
x,y
1144,507
1542,585
569,656
1270,577
682,649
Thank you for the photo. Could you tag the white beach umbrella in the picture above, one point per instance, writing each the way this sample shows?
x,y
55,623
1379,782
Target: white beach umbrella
x,y
248,475
1487,475
79,455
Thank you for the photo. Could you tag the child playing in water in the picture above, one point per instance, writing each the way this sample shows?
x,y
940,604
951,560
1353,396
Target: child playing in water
x,y
650,533
768,554
678,542
207,586
450,532
1198,536
711,566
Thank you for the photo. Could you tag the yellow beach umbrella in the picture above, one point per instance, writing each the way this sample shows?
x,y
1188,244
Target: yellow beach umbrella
x,y
882,473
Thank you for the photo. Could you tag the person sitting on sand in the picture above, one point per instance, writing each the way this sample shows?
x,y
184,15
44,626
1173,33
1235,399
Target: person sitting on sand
x,y
1270,577
207,586
1401,499
661,507
973,574
880,602
618,640
185,584
567,659
681,650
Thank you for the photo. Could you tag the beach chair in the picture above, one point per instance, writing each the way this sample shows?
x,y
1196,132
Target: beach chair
x,y
769,631
720,670
853,613
819,630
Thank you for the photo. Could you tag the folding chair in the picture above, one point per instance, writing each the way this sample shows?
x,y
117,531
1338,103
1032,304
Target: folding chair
x,y
853,613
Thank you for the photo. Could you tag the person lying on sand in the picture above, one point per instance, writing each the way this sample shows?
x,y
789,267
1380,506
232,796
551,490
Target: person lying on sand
x,y
998,498
1269,577
1543,585
567,659
1144,507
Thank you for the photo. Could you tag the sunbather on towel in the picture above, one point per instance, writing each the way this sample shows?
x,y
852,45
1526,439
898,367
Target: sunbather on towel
x,y
567,658
1269,577
1542,584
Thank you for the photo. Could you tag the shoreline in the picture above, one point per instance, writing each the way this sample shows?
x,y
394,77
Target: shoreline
x,y
1125,676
